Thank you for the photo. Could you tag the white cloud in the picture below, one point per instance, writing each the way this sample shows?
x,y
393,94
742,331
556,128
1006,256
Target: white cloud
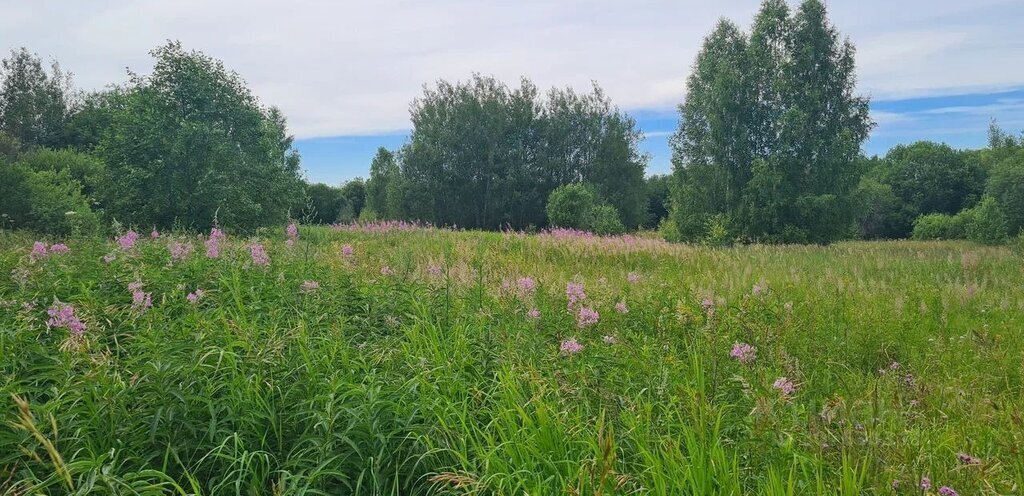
x,y
353,67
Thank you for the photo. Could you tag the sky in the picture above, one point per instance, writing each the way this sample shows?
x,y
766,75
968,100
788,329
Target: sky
x,y
344,72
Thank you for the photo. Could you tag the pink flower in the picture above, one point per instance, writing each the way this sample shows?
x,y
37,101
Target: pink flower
x,y
926,484
38,251
292,230
610,339
127,240
757,290
179,251
259,255
966,459
621,307
195,296
434,270
570,346
586,317
575,294
154,235
533,314
947,491
347,250
785,386
59,248
213,243
141,301
386,271
707,304
109,257
290,243
527,285
63,315
744,353
308,286
633,277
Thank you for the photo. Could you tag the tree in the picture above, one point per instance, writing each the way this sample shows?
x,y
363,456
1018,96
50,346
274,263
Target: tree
x,y
327,203
34,104
383,171
1006,186
571,206
931,178
190,143
354,192
770,130
659,190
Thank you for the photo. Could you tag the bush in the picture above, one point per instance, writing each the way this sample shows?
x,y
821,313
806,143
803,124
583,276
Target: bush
x,y
604,220
58,205
717,232
938,226
986,223
669,230
85,169
1006,185
571,205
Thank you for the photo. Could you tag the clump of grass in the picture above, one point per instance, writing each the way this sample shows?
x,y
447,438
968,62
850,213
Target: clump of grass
x,y
411,360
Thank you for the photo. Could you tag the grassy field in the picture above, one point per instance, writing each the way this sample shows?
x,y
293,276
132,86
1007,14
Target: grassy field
x,y
396,360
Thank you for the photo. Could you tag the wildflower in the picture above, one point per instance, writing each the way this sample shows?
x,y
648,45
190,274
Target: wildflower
x,y
259,255
63,315
59,248
966,459
109,257
925,484
154,235
195,296
586,317
127,240
179,251
434,270
527,285
785,386
292,231
608,339
744,353
570,346
533,314
290,243
895,484
707,304
633,277
574,292
947,491
308,286
347,250
386,271
38,251
757,290
141,301
621,307
213,243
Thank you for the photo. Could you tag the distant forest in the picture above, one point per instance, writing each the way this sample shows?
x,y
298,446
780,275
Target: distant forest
x,y
768,149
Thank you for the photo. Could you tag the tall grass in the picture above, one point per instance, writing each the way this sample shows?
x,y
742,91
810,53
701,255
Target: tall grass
x,y
433,379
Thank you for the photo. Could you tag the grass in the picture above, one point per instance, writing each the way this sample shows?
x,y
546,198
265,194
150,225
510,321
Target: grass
x,y
903,354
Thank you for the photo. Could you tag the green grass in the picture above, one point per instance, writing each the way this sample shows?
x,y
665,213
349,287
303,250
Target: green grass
x,y
413,383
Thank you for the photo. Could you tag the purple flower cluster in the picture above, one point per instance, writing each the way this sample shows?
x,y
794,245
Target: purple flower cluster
x,y
621,307
40,250
386,271
435,270
380,226
292,231
533,314
574,293
586,317
259,255
195,296
633,277
744,353
141,300
347,251
179,251
571,346
213,243
59,249
127,240
63,315
785,386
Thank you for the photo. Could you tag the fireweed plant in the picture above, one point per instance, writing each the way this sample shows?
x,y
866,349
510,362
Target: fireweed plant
x,y
395,358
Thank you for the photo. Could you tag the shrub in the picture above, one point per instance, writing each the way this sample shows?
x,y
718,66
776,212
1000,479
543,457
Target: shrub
x,y
571,205
58,205
986,222
604,219
717,232
1006,185
669,230
938,226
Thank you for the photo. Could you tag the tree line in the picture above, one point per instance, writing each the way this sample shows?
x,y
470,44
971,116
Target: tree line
x,y
768,149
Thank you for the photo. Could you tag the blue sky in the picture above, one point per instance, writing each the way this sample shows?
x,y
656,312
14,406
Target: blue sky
x,y
344,71
960,120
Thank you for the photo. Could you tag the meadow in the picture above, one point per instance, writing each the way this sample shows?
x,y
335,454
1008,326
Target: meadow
x,y
395,359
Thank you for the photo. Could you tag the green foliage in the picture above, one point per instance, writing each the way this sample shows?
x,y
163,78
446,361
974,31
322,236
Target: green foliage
x,y
34,103
483,155
190,143
1006,186
571,206
985,223
659,198
604,220
939,226
44,201
86,169
354,192
878,211
328,203
770,130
